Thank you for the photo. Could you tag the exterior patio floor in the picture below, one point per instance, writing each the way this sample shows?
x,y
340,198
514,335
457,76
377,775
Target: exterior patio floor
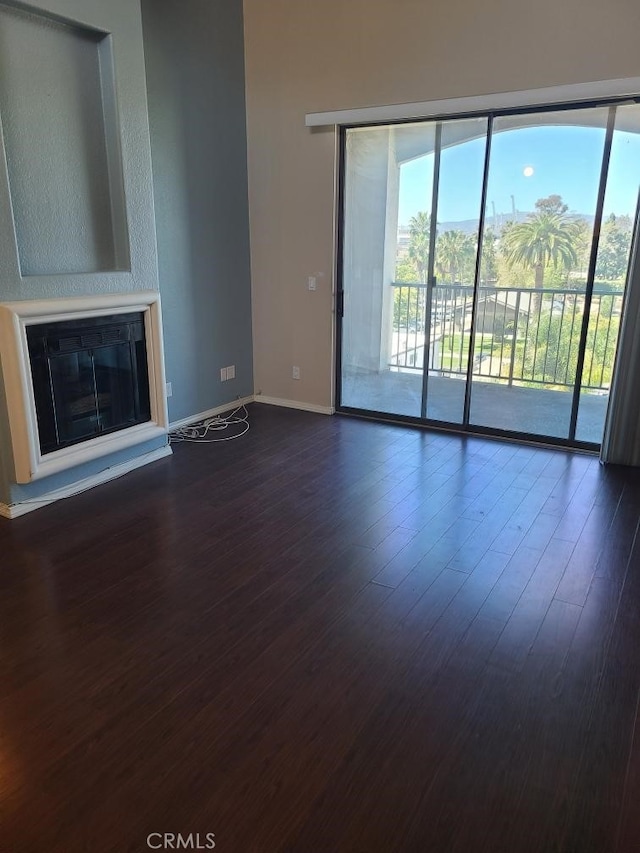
x,y
534,411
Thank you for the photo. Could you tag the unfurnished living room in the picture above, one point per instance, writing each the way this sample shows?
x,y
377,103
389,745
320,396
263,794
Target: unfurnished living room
x,y
319,426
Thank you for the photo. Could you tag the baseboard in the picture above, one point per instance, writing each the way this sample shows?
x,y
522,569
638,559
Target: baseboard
x,y
31,504
243,401
211,413
23,507
294,404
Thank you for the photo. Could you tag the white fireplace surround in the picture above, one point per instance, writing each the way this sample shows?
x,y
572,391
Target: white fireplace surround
x,y
29,463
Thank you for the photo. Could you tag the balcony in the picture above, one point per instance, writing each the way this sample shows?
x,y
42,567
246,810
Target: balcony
x,y
526,350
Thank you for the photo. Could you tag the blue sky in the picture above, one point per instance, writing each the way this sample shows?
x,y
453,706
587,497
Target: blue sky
x,y
563,160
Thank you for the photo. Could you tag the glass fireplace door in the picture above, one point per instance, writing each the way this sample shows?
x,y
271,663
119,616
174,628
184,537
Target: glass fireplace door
x,y
88,378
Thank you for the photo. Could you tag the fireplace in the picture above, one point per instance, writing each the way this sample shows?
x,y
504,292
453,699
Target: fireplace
x,y
83,378
89,378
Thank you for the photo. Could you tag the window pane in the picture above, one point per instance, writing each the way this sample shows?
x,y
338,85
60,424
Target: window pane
x,y
541,200
611,271
387,210
459,203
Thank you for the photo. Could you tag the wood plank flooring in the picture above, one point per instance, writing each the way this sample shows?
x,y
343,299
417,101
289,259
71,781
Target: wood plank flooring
x,y
330,635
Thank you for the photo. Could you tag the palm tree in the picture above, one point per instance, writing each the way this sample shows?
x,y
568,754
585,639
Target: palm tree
x,y
419,236
455,251
545,238
489,270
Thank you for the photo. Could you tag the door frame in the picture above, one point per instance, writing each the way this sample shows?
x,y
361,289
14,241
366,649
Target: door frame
x,y
491,114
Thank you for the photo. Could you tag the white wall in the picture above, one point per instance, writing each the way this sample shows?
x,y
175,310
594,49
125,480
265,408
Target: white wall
x,y
308,56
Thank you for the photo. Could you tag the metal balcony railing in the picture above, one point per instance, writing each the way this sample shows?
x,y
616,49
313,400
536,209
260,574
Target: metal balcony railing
x,y
522,336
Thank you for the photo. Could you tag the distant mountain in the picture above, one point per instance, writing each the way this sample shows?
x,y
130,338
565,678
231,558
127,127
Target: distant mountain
x,y
470,226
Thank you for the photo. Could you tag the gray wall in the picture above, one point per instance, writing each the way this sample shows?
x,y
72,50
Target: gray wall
x,y
127,149
66,145
194,58
54,99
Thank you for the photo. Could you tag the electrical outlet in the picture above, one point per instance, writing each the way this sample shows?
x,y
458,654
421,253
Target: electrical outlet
x,y
231,372
169,389
311,282
296,372
223,374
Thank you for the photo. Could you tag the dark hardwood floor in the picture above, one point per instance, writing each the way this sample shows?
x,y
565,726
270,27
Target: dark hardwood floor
x,y
330,635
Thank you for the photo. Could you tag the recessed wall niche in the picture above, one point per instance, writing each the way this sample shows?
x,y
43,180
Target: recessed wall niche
x,y
62,145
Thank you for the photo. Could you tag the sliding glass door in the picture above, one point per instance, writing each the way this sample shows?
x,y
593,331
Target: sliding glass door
x,y
531,310
483,264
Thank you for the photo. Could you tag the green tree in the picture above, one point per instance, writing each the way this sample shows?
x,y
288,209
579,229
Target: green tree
x,y
582,244
489,256
419,237
602,337
552,204
408,307
455,254
550,352
407,301
613,251
406,271
544,239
